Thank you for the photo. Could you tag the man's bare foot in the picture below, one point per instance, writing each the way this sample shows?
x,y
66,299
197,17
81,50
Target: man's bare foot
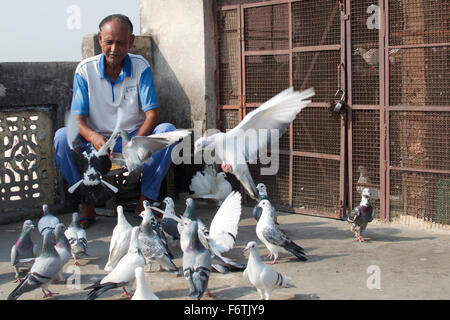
x,y
87,215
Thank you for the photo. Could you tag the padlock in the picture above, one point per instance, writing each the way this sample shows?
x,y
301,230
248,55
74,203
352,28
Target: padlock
x,y
339,105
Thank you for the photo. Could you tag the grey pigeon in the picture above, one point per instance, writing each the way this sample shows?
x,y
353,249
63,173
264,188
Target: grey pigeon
x,y
153,249
137,150
92,165
361,215
272,237
242,144
77,238
62,246
44,269
123,275
24,251
120,240
169,219
371,56
261,276
221,235
142,292
196,260
48,221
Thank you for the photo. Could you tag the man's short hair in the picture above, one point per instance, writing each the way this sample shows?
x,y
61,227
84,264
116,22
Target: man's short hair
x,y
121,17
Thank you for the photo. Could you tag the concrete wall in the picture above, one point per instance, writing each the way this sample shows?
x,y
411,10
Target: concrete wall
x,y
38,84
183,59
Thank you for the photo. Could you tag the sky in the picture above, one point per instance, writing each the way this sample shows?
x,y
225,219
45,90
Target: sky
x,y
52,30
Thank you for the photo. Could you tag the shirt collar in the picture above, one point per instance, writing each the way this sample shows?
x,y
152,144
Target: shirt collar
x,y
126,67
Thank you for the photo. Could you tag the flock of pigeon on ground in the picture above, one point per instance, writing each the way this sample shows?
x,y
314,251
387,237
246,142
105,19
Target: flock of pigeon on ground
x,y
133,248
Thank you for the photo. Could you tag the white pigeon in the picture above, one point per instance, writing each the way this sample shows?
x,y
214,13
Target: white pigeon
x,y
222,188
123,275
62,246
24,251
120,240
221,235
44,269
272,237
48,221
261,276
253,135
203,182
77,238
142,292
137,150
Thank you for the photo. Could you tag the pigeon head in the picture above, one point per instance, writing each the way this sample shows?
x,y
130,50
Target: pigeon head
x,y
262,190
76,219
45,209
359,51
189,212
59,230
125,136
265,204
27,225
222,174
250,245
146,204
366,193
168,201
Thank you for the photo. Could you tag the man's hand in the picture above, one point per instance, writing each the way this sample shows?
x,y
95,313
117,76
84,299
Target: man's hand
x,y
97,140
90,135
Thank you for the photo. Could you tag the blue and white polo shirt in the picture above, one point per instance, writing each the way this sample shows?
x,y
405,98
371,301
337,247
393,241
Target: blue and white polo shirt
x,y
96,97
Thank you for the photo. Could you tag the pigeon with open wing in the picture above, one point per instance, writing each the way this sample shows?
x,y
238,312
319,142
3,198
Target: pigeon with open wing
x,y
254,134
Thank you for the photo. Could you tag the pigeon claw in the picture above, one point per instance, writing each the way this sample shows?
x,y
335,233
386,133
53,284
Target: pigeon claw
x,y
226,167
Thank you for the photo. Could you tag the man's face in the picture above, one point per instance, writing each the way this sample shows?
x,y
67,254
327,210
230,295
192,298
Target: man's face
x,y
115,41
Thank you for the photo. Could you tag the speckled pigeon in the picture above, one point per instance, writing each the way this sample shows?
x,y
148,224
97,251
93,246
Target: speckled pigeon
x,y
77,238
272,237
153,249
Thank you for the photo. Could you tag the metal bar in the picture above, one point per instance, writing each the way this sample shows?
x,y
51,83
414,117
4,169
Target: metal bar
x,y
291,125
342,164
348,49
229,107
365,107
331,47
425,45
267,3
267,52
241,61
318,156
386,186
420,170
383,70
419,108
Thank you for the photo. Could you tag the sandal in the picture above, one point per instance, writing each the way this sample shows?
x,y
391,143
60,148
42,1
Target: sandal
x,y
89,220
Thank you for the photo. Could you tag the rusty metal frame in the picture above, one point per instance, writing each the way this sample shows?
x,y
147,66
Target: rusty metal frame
x,y
389,109
243,105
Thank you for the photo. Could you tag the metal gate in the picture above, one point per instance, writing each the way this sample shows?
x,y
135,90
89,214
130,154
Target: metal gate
x,y
399,120
264,48
392,59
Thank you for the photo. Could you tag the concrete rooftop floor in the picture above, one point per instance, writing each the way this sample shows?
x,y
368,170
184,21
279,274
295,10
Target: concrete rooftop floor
x,y
411,263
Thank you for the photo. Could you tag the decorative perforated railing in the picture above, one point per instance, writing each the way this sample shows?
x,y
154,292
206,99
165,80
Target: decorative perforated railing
x,y
27,174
